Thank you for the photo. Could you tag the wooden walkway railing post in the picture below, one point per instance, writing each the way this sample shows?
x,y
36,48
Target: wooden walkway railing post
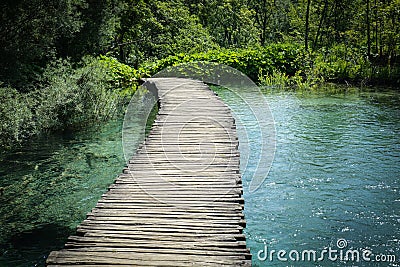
x,y
179,201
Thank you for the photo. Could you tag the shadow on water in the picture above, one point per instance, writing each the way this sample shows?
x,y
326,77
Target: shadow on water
x,y
31,248
49,184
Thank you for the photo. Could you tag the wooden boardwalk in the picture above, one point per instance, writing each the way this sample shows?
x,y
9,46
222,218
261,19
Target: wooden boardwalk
x,y
178,202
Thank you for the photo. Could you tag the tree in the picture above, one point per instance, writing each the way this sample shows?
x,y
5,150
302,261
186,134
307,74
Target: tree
x,y
271,17
368,29
156,29
262,16
307,24
229,22
320,24
31,31
102,19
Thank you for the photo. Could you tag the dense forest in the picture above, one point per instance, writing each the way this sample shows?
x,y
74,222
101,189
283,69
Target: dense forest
x,y
68,62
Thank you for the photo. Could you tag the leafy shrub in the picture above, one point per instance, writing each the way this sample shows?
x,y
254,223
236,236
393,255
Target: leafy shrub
x,y
340,63
120,76
253,62
71,97
65,98
336,64
288,65
15,116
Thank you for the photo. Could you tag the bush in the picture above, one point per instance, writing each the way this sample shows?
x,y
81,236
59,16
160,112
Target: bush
x,y
15,117
340,63
119,75
289,65
65,98
254,62
71,97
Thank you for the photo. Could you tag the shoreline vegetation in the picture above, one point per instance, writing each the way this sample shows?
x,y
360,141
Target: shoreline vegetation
x,y
78,62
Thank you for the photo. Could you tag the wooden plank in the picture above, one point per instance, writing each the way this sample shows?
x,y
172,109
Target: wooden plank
x,y
157,229
170,194
157,259
181,251
168,212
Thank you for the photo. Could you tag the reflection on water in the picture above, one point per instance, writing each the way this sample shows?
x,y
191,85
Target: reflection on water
x,y
49,185
335,175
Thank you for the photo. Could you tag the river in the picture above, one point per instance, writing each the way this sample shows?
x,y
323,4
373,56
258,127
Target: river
x,y
335,177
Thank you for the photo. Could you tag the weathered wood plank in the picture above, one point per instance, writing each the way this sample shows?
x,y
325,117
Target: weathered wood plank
x,y
159,229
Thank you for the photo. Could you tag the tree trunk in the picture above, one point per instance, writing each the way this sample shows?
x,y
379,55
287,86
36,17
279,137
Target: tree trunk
x,y
307,24
368,31
376,27
264,23
323,16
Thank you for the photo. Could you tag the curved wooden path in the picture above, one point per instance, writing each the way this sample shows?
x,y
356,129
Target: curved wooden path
x,y
178,202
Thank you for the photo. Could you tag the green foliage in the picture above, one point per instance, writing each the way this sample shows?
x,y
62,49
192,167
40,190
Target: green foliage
x,y
253,62
15,116
371,25
276,79
289,65
65,98
120,76
229,22
102,21
137,31
71,97
271,18
157,29
340,63
31,32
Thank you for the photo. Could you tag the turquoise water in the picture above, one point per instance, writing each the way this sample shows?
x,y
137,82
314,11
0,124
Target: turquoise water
x,y
335,175
49,185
